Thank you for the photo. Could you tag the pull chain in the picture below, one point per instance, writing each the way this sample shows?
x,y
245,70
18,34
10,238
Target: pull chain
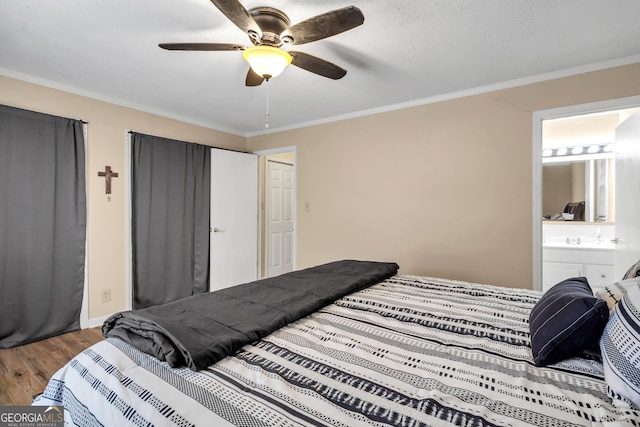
x,y
266,116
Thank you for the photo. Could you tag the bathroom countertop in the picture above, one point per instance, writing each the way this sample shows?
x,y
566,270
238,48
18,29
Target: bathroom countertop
x,y
588,245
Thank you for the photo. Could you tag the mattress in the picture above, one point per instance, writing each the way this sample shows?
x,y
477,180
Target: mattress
x,y
409,351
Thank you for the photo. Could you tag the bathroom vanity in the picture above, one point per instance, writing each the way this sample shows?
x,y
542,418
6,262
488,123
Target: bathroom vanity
x,y
572,250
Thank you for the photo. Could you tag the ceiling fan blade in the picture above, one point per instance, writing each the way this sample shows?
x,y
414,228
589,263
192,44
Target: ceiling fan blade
x,y
317,65
201,46
239,15
253,78
325,25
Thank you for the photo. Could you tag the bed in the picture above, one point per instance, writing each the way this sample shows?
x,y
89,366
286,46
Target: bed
x,y
406,351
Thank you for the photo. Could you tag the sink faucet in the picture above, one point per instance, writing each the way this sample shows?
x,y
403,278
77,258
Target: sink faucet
x,y
573,240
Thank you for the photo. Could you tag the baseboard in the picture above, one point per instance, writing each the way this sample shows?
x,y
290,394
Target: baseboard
x,y
96,321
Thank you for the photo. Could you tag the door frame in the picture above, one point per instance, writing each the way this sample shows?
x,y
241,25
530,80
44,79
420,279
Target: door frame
x,y
84,307
538,118
261,228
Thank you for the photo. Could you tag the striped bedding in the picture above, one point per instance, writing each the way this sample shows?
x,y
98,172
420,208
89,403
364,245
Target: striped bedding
x,y
409,351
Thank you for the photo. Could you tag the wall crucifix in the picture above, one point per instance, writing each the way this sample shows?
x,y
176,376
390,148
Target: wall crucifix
x,y
108,174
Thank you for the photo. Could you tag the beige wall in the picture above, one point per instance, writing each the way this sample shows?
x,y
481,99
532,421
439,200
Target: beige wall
x,y
443,189
106,220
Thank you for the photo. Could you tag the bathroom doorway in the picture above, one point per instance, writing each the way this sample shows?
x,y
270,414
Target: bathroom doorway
x,y
569,148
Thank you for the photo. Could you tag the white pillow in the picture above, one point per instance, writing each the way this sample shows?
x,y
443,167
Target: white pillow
x,y
614,292
634,271
620,345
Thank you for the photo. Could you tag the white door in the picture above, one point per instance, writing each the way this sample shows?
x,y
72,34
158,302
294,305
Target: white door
x,y
234,218
627,200
279,218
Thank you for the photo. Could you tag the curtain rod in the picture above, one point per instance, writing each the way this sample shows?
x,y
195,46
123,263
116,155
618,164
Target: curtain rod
x,y
84,122
187,142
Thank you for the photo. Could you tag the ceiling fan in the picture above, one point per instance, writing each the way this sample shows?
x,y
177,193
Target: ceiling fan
x,y
269,29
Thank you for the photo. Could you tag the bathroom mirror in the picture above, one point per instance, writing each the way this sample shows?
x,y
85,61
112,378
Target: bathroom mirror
x,y
588,180
578,164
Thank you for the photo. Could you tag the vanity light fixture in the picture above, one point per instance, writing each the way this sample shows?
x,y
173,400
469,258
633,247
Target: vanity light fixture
x,y
579,150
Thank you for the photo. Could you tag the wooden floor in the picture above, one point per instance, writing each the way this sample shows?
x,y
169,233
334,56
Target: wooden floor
x,y
25,370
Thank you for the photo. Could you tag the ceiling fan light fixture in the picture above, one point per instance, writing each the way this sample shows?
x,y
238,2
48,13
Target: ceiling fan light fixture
x,y
267,61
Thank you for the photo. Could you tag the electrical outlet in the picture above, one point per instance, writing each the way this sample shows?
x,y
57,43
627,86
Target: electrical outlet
x,y
106,295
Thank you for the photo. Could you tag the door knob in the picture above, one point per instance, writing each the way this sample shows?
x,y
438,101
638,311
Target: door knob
x,y
217,230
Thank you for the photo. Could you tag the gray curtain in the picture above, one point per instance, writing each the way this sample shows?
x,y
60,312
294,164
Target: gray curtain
x,y
171,191
42,225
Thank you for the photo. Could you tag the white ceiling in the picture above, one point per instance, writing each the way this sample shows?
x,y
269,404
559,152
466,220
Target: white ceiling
x,y
407,52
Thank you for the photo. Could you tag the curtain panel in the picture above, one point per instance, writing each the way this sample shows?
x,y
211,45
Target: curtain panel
x,y
171,192
42,225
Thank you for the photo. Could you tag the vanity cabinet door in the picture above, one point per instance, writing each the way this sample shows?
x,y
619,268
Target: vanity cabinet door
x,y
599,275
555,272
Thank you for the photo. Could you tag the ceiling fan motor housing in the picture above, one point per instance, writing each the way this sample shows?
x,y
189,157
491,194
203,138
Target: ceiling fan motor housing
x,y
272,22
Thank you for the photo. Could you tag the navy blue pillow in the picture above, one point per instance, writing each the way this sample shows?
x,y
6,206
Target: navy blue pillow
x,y
567,320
